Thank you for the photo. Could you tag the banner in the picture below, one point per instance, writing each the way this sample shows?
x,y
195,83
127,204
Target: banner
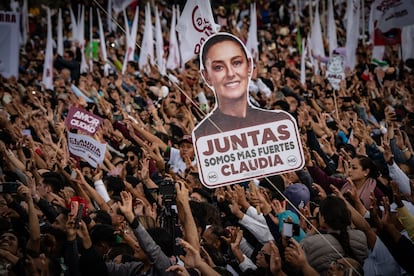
x,y
9,44
242,154
387,14
195,24
335,72
83,120
87,148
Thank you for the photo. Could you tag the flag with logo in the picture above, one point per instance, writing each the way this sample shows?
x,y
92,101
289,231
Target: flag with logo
x,y
194,26
387,19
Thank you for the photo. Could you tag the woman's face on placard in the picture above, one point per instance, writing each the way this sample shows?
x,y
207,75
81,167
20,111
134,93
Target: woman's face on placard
x,y
227,70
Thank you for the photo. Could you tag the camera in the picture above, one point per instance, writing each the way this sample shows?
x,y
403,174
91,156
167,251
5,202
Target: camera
x,y
9,187
168,214
167,189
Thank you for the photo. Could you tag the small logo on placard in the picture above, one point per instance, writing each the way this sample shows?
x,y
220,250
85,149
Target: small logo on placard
x,y
292,160
212,177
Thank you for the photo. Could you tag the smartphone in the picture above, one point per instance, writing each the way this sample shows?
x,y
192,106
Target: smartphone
x,y
118,117
27,132
79,214
9,187
287,230
74,206
73,174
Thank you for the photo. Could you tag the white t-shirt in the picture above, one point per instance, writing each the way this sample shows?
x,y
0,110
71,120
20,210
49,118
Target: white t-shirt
x,y
177,164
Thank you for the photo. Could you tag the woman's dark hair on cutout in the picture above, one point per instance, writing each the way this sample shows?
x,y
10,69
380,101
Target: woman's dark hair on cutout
x,y
217,39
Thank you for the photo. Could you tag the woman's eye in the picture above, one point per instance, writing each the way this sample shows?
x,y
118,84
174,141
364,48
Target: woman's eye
x,y
237,62
217,67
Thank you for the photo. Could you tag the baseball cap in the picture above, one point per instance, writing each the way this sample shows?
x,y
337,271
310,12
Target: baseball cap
x,y
186,138
296,193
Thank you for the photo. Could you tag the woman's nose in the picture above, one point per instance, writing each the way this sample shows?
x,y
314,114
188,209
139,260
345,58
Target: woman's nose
x,y
230,71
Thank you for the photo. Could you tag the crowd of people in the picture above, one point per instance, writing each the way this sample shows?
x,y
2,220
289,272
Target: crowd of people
x,y
144,210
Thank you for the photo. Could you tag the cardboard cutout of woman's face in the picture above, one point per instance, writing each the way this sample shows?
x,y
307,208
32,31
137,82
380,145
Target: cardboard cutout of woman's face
x,y
209,44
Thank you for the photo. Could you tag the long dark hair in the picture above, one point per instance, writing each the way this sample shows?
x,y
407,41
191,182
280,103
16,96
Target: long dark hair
x,y
337,216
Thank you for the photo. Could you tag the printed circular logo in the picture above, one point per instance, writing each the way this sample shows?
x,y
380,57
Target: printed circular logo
x,y
291,160
212,177
199,23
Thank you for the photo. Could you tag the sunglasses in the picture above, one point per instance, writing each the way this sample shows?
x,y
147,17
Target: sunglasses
x,y
131,157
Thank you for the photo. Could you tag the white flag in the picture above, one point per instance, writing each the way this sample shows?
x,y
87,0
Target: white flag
x,y
103,45
81,39
9,44
252,44
47,78
333,42
303,63
24,22
159,44
90,39
131,36
120,5
316,46
74,24
378,52
109,24
194,26
352,32
173,61
60,34
407,45
392,14
147,44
